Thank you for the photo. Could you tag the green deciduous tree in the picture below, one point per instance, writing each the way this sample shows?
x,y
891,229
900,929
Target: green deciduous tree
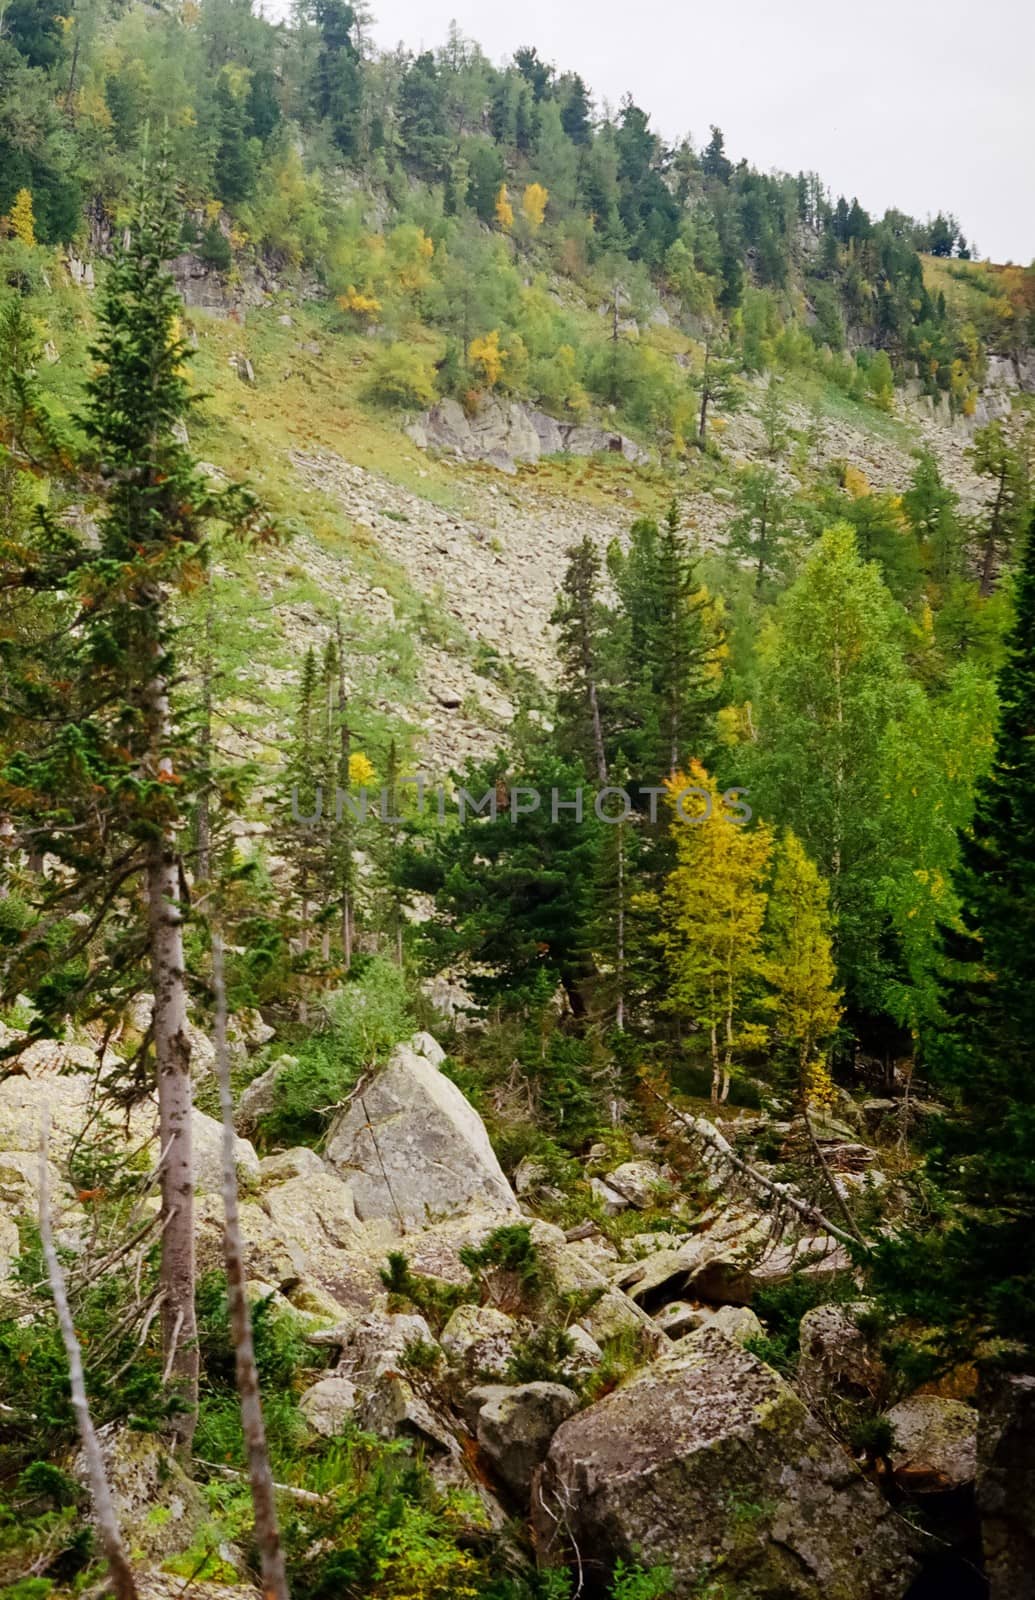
x,y
833,677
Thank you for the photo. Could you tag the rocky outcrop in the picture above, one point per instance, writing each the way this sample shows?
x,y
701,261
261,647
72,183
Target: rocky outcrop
x,y
504,432
480,1341
1006,1483
414,1150
709,1461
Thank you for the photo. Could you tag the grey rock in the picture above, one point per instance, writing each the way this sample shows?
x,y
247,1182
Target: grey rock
x,y
836,1359
300,1162
413,1149
480,1341
651,1472
329,1404
207,1136
1006,1482
639,1182
935,1447
156,1505
515,1429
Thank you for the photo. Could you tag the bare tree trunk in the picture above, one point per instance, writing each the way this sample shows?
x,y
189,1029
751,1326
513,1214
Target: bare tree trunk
x,y
705,397
620,931
598,733
203,864
781,1192
172,1058
345,734
992,539
100,1491
260,1477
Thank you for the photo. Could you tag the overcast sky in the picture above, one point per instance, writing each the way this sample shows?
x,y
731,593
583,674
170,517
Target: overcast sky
x,y
906,103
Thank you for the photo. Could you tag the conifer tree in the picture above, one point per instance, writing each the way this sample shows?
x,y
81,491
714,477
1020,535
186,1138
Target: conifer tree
x,y
983,1049
106,781
22,222
581,619
671,648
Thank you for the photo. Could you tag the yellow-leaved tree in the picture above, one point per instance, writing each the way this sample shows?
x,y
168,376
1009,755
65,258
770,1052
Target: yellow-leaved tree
x,y
713,913
487,358
533,204
21,220
805,1003
504,209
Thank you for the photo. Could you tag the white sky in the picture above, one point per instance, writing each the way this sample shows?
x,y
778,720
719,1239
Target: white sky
x,y
919,104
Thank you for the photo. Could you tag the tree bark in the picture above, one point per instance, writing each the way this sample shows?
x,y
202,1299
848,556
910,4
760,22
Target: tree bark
x,y
260,1477
172,1059
104,1511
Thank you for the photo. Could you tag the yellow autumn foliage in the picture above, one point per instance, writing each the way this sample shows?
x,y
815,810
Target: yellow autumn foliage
x,y
504,209
485,355
21,220
359,304
361,770
533,204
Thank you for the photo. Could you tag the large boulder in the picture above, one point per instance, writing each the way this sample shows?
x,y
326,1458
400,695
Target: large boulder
x,y
708,1462
329,1404
515,1427
1006,1483
838,1359
157,1507
414,1150
207,1142
935,1448
479,1340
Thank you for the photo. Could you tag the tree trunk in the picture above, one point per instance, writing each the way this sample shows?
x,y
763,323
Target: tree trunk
x,y
203,863
345,735
100,1491
260,1477
992,539
598,734
172,1059
620,932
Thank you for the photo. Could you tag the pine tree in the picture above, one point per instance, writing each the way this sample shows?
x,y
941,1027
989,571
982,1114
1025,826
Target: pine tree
x,y
1003,459
762,529
671,649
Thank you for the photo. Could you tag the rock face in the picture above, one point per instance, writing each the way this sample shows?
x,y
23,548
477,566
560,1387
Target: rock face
x,y
935,1446
1006,1483
505,432
413,1150
707,1460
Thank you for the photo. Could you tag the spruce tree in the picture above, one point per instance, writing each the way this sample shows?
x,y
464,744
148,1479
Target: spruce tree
x,y
102,775
582,623
670,643
984,1050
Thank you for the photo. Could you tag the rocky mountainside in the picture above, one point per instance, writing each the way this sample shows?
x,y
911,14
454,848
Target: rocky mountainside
x,y
637,1384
